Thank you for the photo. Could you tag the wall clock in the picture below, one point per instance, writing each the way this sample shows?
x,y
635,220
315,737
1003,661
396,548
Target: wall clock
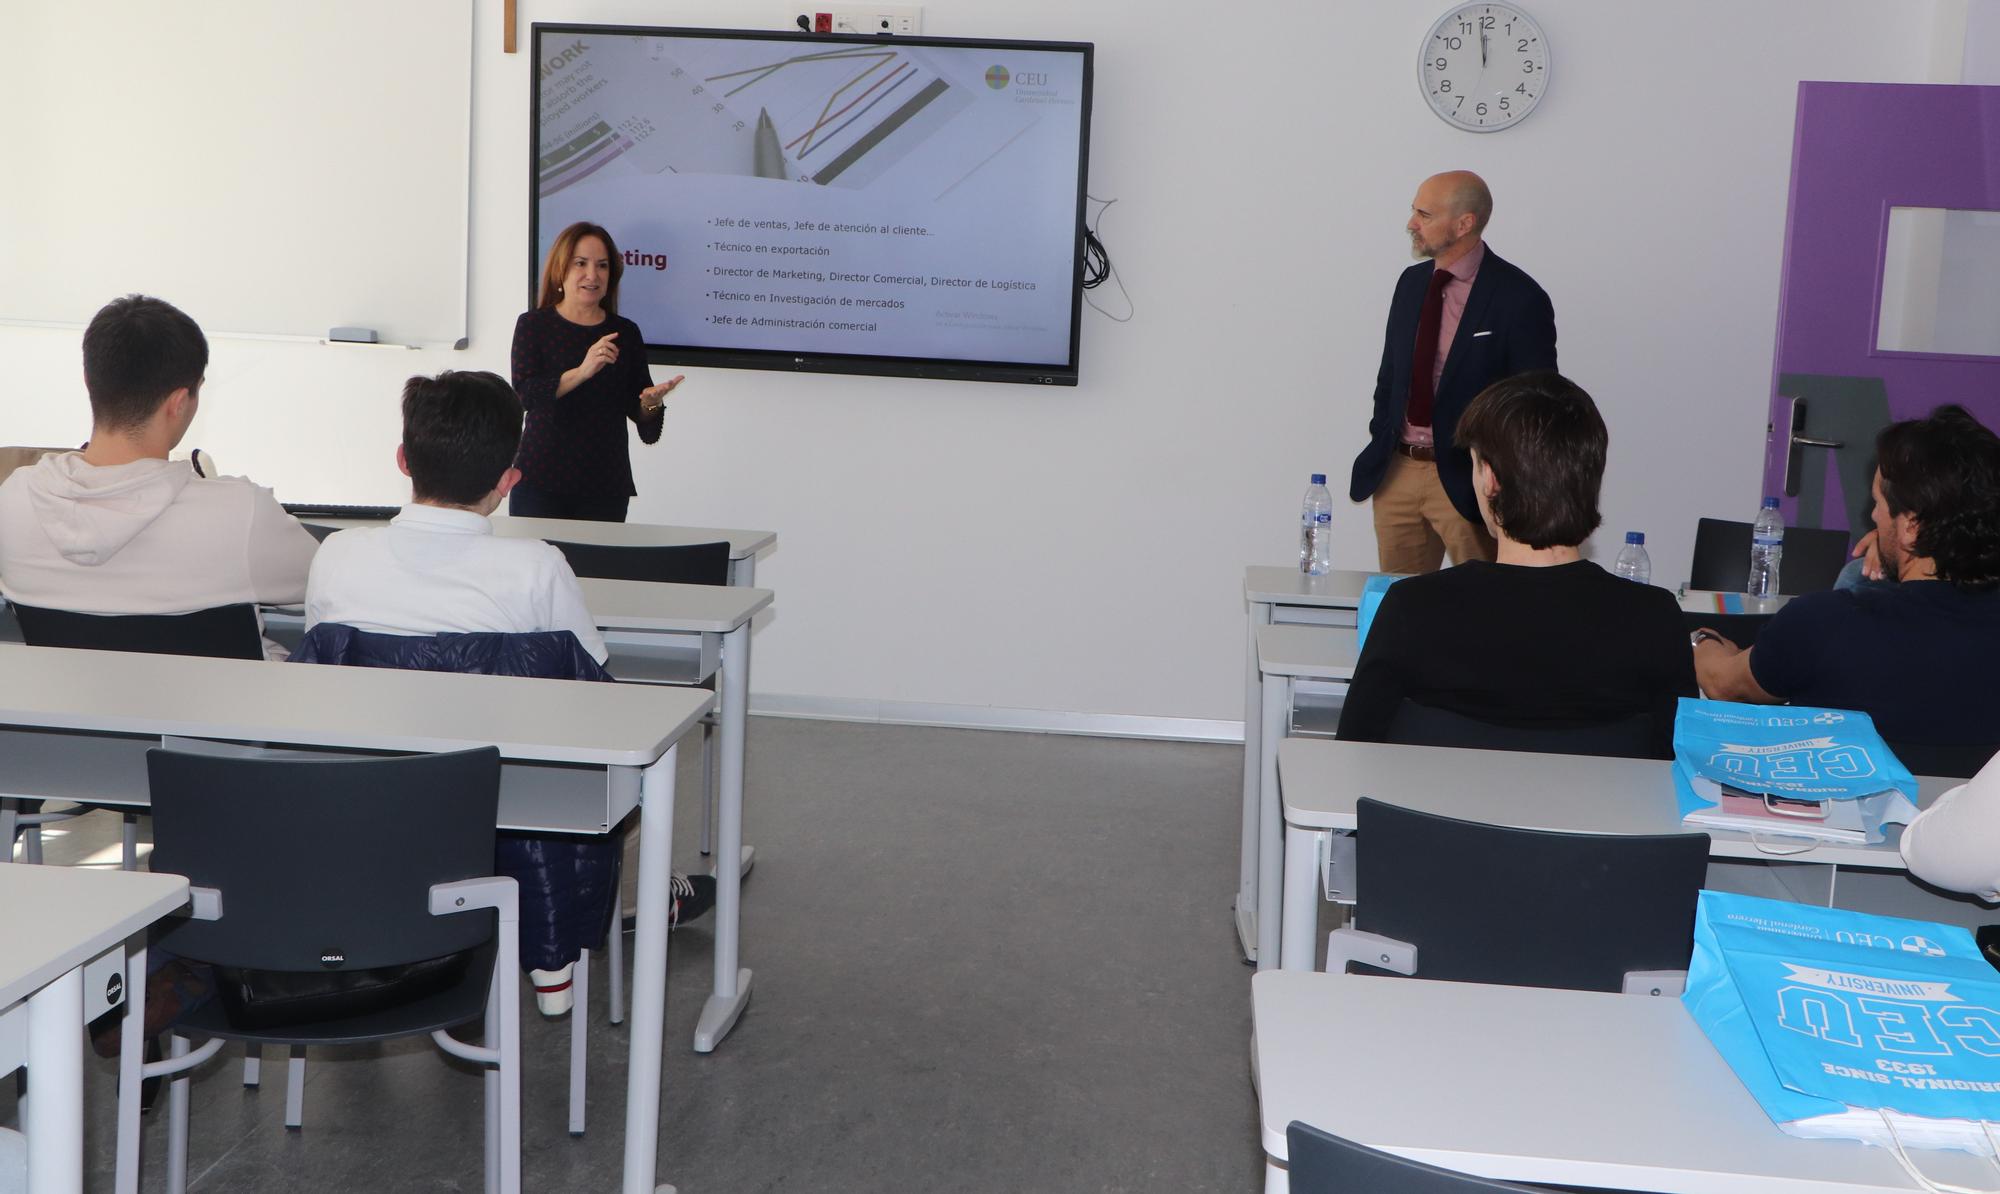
x,y
1484,67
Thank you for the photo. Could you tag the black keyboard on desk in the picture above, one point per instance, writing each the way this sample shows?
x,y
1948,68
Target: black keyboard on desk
x,y
330,510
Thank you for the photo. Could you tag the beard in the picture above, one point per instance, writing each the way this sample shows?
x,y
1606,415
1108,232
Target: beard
x,y
1423,251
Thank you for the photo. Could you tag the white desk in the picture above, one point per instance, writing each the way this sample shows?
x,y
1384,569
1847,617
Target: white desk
x,y
1320,781
678,634
1277,594
744,546
576,759
1573,1088
1289,658
59,925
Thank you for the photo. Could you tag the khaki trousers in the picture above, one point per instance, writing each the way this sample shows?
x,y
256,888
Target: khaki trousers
x,y
1415,523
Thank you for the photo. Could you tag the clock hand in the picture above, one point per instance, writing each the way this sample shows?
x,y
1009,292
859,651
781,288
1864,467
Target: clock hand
x,y
1482,50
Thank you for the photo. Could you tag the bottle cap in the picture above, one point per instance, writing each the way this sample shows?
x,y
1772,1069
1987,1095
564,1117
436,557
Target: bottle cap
x,y
1319,478
1636,537
1770,503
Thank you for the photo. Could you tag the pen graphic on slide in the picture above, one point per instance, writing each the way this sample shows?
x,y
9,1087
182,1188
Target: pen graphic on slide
x,y
770,158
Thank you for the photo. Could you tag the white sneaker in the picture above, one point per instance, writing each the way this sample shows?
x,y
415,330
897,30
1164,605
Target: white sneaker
x,y
553,993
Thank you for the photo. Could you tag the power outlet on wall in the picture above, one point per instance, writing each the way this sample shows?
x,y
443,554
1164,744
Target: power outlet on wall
x,y
866,18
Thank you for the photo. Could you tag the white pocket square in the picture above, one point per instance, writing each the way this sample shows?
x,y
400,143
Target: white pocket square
x,y
1477,335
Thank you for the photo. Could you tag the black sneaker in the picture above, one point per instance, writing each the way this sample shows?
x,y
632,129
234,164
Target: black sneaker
x,y
693,896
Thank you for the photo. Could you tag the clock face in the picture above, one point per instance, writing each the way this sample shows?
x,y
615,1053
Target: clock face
x,y
1483,67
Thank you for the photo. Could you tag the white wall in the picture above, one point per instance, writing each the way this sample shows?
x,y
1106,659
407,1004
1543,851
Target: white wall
x,y
1082,550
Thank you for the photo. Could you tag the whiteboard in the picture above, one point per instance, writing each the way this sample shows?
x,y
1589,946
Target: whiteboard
x,y
271,168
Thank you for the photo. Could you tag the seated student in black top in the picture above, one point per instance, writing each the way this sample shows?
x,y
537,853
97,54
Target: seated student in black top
x,y
1918,656
1540,639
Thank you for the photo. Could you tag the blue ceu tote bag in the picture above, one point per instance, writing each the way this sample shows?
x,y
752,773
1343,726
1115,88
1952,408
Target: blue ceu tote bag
x,y
1372,590
1796,764
1847,1025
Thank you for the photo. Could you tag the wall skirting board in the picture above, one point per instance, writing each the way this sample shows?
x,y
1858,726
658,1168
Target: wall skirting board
x,y
990,717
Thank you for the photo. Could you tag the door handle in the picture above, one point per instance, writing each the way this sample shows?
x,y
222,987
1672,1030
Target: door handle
x,y
1796,442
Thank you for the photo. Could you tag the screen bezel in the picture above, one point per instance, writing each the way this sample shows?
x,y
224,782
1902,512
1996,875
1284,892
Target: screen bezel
x,y
949,369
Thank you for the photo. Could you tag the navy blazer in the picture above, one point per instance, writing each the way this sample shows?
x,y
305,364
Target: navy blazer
x,y
1509,327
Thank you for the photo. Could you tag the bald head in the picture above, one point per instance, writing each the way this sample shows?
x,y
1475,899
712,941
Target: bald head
x,y
1466,194
1448,215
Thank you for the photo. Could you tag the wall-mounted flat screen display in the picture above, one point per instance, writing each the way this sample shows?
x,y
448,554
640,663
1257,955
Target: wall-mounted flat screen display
x,y
904,206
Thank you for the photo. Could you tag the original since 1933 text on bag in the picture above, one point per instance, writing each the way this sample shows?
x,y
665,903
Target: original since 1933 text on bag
x,y
1847,1025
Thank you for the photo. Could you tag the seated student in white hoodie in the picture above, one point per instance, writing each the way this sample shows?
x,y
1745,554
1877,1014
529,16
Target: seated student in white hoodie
x,y
117,528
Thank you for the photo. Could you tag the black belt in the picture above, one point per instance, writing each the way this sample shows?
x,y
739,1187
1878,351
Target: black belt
x,y
1417,451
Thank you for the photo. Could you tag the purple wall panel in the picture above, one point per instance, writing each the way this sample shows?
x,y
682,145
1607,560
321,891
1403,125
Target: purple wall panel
x,y
1859,149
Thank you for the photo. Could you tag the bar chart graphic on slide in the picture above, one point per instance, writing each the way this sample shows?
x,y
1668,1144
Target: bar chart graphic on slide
x,y
842,116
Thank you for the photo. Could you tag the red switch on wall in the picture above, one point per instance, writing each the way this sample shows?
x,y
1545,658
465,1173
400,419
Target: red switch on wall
x,y
822,22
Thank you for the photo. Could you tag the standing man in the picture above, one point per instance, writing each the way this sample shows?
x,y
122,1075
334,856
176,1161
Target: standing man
x,y
1461,319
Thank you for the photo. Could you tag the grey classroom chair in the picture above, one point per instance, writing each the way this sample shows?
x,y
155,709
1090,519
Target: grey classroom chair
x,y
290,866
223,632
1462,901
1322,1163
679,564
544,654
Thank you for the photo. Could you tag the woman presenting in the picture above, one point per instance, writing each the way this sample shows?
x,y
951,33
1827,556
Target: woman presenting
x,y
580,369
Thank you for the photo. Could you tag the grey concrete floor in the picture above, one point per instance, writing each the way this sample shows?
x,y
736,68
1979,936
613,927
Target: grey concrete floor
x,y
984,961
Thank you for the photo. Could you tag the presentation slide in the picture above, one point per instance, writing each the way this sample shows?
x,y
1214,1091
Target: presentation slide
x,y
803,196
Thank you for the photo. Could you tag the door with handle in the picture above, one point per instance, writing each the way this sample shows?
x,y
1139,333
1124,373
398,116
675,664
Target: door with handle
x,y
1890,300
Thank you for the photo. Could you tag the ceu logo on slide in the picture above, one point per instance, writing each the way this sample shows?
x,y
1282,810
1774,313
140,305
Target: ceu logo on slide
x,y
1914,944
997,77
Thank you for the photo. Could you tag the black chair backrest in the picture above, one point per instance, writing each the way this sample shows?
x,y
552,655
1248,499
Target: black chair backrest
x,y
223,632
1322,1163
1416,724
688,564
1526,907
1957,761
318,857
1813,558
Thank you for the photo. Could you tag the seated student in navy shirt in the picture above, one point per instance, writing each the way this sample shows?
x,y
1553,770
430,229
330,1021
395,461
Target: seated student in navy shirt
x,y
1918,656
1541,638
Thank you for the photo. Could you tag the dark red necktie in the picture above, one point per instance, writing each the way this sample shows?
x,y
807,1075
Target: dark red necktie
x,y
1424,362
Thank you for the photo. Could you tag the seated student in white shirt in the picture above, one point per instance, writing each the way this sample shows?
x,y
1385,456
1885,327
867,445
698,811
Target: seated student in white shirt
x,y
438,568
117,528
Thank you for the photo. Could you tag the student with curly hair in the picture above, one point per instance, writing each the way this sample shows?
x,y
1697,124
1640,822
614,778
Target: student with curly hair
x,y
1918,656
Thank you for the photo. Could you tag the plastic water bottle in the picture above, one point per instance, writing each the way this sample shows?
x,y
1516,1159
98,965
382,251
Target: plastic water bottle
x,y
1316,529
1633,563
1767,548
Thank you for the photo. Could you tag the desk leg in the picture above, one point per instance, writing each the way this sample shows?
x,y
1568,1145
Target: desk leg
x,y
1807,882
52,1112
743,572
649,976
1299,948
1277,1179
732,985
131,1054
1253,717
1271,822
